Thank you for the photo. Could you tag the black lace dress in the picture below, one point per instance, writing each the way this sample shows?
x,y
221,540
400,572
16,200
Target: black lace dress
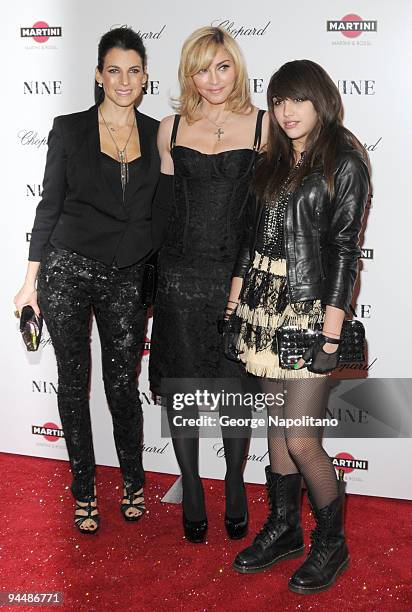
x,y
196,261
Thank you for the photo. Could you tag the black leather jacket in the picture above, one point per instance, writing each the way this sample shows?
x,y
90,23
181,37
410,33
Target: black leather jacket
x,y
321,235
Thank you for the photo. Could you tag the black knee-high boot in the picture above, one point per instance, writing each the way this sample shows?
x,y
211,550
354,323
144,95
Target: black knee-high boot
x,y
328,556
281,536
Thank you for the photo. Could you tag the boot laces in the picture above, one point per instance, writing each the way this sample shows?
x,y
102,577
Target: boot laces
x,y
266,534
319,542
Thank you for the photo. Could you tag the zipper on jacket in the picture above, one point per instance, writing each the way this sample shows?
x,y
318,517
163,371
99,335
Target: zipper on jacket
x,y
285,247
322,273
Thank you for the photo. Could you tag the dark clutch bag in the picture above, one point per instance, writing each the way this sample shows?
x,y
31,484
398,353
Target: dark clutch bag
x,y
30,328
292,343
149,283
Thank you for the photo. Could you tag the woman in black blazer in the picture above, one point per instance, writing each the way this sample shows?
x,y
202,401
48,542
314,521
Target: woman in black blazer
x,y
91,236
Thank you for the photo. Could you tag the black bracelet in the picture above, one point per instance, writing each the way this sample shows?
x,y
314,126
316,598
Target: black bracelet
x,y
332,340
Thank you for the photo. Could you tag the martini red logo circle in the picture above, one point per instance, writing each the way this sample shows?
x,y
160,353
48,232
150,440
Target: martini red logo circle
x,y
41,25
352,33
342,465
40,31
49,436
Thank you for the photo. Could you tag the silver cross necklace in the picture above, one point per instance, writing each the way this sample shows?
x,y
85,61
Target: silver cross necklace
x,y
220,131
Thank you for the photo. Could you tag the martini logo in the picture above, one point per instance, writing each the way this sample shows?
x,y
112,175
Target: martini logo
x,y
146,346
352,26
50,431
347,463
40,32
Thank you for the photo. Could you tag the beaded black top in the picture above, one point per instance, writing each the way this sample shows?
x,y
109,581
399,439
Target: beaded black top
x,y
270,237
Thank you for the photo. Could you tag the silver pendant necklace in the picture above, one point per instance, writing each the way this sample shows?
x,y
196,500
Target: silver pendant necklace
x,y
121,154
219,133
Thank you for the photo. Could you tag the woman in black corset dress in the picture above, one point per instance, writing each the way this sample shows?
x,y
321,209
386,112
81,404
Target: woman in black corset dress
x,y
208,153
91,236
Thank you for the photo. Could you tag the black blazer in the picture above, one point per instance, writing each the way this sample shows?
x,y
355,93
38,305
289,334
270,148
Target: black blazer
x,y
79,210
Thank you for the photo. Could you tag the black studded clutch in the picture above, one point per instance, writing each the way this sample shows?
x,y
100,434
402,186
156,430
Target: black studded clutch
x,y
292,342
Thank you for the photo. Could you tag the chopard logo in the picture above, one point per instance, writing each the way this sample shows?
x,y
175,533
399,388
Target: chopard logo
x,y
146,34
155,449
31,138
241,30
220,453
374,146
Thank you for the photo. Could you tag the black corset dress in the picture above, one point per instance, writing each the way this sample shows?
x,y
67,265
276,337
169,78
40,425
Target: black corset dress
x,y
196,261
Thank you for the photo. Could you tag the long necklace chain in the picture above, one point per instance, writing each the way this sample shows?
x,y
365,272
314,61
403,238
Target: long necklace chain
x,y
220,131
121,153
274,214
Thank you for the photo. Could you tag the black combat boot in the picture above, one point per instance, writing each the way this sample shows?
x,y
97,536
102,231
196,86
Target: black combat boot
x,y
281,536
328,556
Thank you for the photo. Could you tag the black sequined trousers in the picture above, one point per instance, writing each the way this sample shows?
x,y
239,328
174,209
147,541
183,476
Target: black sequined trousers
x,y
70,287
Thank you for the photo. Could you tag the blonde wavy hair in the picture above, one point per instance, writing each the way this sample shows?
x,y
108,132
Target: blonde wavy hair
x,y
197,54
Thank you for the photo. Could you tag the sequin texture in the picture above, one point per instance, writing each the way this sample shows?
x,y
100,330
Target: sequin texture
x,y
70,288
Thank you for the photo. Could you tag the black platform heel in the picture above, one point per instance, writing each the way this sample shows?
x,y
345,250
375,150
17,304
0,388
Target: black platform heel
x,y
92,513
237,528
133,499
195,531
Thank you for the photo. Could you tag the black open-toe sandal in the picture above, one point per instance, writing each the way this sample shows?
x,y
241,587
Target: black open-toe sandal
x,y
92,514
133,500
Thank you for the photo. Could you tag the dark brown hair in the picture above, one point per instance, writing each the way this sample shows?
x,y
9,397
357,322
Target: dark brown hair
x,y
304,80
118,38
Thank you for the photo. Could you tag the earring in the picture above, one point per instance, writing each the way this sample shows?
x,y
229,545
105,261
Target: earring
x,y
100,84
144,89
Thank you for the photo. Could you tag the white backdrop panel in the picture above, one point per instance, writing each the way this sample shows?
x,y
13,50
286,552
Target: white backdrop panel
x,y
56,77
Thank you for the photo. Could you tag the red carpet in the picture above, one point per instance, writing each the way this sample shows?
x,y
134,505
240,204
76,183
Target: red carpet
x,y
150,567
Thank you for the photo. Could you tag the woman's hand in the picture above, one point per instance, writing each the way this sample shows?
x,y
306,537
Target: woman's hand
x,y
324,357
27,296
229,327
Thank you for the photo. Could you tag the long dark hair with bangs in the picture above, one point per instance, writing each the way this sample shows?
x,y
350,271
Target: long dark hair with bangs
x,y
304,80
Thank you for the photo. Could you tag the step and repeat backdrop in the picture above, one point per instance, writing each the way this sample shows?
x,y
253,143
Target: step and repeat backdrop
x,y
50,52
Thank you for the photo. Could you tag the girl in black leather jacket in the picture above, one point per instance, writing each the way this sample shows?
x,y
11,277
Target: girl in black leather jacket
x,y
298,266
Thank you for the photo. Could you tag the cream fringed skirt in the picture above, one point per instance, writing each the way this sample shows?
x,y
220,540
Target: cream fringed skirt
x,y
262,309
